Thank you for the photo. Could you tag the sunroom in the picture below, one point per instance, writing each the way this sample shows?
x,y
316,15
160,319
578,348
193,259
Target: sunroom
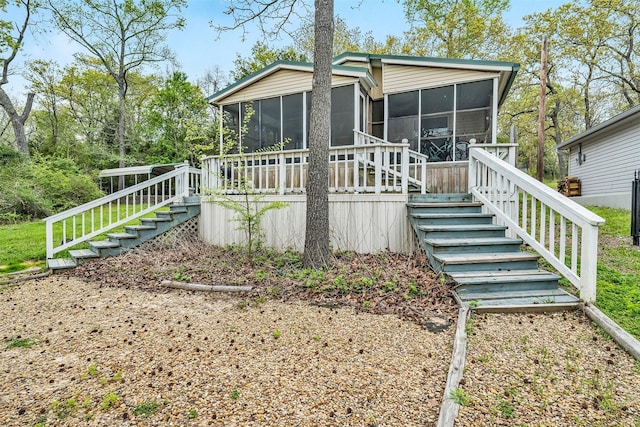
x,y
399,124
436,106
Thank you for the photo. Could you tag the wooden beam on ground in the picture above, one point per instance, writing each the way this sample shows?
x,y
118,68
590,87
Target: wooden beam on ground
x,y
202,287
449,409
24,278
619,335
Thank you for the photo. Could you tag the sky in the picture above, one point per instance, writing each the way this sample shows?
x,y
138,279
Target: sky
x,y
198,48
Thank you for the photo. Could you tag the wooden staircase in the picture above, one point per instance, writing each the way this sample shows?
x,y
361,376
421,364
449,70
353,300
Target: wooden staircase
x,y
489,268
133,236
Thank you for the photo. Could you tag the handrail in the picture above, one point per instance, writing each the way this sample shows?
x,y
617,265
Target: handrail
x,y
416,165
543,218
98,216
373,167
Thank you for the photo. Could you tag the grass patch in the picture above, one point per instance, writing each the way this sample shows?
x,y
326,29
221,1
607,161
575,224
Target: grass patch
x,y
618,283
18,342
24,243
146,408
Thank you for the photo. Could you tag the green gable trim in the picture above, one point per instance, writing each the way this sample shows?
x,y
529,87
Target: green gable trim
x,y
259,74
359,72
444,61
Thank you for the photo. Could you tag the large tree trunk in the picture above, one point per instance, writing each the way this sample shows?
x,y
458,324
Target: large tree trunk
x,y
316,244
17,120
122,115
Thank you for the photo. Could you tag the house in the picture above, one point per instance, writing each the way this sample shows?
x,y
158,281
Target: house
x,y
432,108
604,158
413,160
437,105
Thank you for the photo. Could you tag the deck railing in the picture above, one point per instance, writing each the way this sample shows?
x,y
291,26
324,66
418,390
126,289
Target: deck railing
x,y
79,224
559,229
373,167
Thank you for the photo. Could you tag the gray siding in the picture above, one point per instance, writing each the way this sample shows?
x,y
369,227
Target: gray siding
x,y
611,159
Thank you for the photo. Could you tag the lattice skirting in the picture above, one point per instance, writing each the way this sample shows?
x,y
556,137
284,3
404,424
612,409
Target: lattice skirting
x,y
181,234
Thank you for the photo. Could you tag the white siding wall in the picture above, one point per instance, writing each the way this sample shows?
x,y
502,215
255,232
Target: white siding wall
x,y
611,158
360,223
282,82
402,78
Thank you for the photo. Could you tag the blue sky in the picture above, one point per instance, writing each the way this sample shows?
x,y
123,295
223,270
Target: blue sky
x,y
198,48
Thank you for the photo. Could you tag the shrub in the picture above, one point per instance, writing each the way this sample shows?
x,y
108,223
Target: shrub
x,y
32,189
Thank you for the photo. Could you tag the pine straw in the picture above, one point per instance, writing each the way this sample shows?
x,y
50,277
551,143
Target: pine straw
x,y
385,283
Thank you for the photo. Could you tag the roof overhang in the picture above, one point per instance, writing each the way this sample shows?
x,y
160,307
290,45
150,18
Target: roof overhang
x,y
507,70
363,74
620,119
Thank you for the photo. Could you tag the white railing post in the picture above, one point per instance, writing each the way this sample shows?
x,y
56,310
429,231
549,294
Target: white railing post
x,y
282,179
49,238
589,264
405,170
473,173
377,161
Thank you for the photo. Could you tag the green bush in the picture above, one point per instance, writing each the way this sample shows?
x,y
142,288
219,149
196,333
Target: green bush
x,y
31,189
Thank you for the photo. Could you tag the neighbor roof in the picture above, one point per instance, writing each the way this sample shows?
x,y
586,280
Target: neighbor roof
x,y
604,126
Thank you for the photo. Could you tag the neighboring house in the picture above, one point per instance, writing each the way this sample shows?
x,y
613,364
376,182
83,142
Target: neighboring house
x,y
604,158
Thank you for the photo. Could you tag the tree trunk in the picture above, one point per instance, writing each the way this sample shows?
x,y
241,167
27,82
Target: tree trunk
x,y
316,244
17,120
122,115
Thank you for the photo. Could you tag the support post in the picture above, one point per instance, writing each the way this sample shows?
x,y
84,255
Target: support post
x,y
589,263
405,170
49,233
377,161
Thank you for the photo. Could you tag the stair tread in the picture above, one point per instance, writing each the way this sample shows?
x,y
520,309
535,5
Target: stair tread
x,y
156,219
471,241
498,295
122,235
498,274
442,204
506,279
526,301
61,263
83,253
461,227
525,305
100,244
452,215
140,227
483,258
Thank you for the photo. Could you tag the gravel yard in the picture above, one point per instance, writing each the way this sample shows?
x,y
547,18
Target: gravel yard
x,y
111,356
547,370
367,343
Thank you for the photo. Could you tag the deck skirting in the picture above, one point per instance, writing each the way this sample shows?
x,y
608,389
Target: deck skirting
x,y
363,223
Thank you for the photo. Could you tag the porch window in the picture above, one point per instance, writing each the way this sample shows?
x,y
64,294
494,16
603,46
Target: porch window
x,y
440,122
292,121
342,115
266,122
377,118
403,118
231,119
